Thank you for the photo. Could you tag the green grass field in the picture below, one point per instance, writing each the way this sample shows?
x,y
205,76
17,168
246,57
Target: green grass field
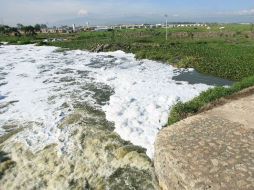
x,y
227,53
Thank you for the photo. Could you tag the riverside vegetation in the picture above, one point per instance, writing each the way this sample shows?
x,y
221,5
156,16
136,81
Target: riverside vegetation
x,y
227,53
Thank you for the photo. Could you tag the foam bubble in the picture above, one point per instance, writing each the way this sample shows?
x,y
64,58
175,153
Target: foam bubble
x,y
38,81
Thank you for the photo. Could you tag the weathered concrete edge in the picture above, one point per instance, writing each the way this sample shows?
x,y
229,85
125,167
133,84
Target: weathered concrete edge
x,y
177,181
162,169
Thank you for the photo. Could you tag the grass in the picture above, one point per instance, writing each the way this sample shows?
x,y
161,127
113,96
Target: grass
x,y
227,53
183,110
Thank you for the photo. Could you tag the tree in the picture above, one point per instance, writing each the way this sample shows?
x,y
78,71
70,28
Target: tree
x,y
14,31
7,30
2,29
20,26
29,30
37,28
44,26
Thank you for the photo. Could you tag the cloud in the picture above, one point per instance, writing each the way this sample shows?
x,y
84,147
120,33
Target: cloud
x,y
36,11
243,13
82,12
111,11
246,12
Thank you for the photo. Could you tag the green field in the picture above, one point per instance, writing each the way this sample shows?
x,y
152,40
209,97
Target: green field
x,y
227,53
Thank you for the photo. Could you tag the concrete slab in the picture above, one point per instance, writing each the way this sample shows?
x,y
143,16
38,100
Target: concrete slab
x,y
213,150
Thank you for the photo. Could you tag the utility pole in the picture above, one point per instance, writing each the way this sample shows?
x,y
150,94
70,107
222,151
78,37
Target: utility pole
x,y
166,16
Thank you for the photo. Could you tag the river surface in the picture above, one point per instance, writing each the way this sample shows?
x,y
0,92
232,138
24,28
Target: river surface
x,y
44,93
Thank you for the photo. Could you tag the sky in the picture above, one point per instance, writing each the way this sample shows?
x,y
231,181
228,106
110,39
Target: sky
x,y
60,12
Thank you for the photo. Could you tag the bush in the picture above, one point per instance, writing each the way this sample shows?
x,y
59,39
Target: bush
x,y
41,43
24,42
13,41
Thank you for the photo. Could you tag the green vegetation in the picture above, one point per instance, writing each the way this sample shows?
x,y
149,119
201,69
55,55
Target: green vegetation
x,y
226,52
183,110
26,30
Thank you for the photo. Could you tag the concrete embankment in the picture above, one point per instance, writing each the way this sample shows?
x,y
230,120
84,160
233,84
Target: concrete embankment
x,y
212,150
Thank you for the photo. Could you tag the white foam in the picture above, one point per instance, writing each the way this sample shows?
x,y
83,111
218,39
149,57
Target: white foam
x,y
144,92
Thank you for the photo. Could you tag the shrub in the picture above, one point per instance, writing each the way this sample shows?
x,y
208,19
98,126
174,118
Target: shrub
x,y
41,43
13,41
24,42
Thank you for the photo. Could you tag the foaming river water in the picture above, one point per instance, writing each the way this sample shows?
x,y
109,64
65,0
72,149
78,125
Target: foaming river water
x,y
42,85
81,120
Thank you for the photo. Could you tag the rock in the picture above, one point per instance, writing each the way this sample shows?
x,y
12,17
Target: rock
x,y
213,150
99,48
106,46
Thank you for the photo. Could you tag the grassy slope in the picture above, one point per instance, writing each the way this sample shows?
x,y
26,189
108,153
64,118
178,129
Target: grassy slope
x,y
183,110
227,53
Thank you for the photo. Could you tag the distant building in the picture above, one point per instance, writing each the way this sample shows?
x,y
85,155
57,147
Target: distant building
x,y
101,28
44,30
189,25
158,25
74,28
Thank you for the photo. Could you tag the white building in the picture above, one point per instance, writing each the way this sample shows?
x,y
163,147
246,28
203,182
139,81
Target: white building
x,y
74,28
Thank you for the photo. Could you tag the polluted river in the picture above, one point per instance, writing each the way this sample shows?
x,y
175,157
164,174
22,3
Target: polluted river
x,y
82,120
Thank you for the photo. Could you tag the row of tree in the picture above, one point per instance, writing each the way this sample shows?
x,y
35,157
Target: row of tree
x,y
27,30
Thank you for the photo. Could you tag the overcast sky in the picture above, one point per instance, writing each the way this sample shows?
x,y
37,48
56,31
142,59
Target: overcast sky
x,y
124,11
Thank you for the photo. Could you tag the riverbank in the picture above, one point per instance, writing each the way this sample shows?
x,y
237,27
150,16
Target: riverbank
x,y
211,97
